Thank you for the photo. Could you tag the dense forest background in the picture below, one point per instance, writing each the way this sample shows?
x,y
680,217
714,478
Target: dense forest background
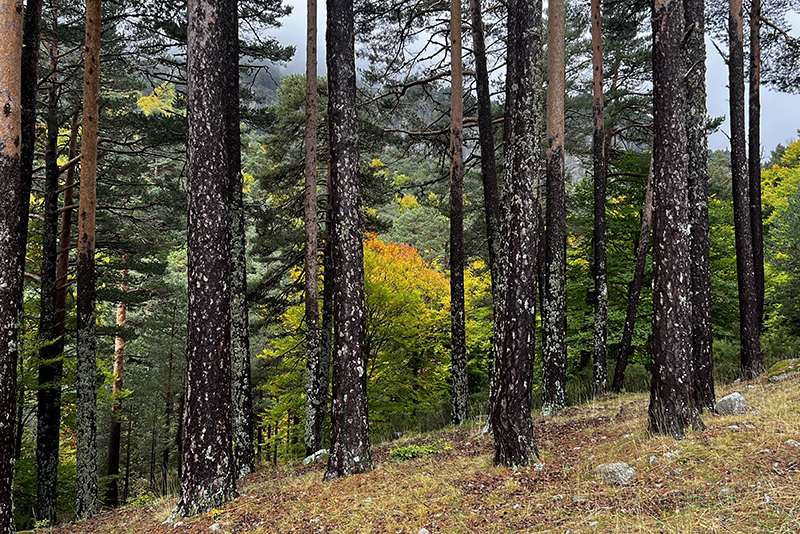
x,y
404,164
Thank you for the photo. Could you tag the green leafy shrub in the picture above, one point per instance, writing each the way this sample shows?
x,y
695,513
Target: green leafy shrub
x,y
408,452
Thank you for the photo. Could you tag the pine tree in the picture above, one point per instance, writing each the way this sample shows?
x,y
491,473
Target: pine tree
x,y
350,446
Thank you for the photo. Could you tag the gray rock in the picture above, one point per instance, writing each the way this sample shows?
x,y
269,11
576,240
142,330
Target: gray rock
x,y
178,524
594,523
577,499
792,443
784,370
653,460
215,527
316,457
731,404
424,531
616,473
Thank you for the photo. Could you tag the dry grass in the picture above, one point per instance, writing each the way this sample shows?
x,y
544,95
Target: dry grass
x,y
721,479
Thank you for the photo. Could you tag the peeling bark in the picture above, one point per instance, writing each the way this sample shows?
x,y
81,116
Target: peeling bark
x,y
208,466
749,321
458,343
600,372
10,230
350,446
86,375
515,324
671,410
554,323
316,389
697,148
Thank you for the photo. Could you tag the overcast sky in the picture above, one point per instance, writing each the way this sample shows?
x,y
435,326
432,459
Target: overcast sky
x,y
780,113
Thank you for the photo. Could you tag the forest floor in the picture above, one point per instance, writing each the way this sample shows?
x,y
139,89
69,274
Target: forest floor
x,y
737,475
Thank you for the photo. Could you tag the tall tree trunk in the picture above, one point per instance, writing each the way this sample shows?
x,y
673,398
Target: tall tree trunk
x,y
754,161
491,196
350,448
515,324
168,408
10,229
697,145
458,344
242,389
31,39
316,390
125,490
671,409
86,403
635,288
208,466
600,382
115,435
48,409
554,366
49,399
749,321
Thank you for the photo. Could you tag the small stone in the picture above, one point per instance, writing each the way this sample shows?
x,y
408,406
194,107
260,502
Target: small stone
x,y
767,499
754,412
558,497
765,451
594,523
724,492
731,404
577,499
538,467
627,435
792,443
750,386
616,473
677,472
733,427
424,531
215,527
178,524
368,500
653,459
516,507
668,454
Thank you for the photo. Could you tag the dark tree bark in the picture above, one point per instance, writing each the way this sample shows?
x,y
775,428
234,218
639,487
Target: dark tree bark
x,y
754,161
749,320
458,343
208,466
600,373
491,196
10,228
115,435
316,384
242,390
350,447
697,145
86,404
515,324
168,408
48,395
554,366
671,409
635,288
31,39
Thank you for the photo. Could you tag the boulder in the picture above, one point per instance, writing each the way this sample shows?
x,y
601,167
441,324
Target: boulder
x,y
731,404
783,370
617,473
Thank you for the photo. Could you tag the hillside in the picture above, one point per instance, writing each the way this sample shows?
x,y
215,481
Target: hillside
x,y
737,475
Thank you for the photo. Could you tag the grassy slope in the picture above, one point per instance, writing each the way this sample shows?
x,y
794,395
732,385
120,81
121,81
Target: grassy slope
x,y
722,479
